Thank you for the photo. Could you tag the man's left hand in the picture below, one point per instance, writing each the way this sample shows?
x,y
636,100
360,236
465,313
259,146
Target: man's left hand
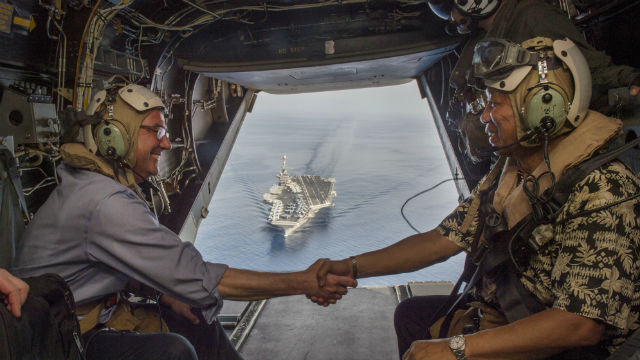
x,y
179,308
429,349
634,90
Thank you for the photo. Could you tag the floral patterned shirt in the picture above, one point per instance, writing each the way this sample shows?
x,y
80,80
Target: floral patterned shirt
x,y
591,265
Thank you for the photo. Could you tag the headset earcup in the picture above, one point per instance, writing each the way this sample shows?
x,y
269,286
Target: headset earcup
x,y
111,141
546,103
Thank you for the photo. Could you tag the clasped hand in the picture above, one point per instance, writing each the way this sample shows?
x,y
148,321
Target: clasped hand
x,y
333,278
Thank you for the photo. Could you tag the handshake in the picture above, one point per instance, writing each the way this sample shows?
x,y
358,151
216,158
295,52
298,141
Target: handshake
x,y
329,280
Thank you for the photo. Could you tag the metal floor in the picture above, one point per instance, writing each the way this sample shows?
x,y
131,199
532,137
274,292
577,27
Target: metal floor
x,y
360,326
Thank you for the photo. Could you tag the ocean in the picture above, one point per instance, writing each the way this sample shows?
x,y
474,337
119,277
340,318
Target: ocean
x,y
381,146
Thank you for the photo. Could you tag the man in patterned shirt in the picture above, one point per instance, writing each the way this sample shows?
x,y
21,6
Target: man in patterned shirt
x,y
580,275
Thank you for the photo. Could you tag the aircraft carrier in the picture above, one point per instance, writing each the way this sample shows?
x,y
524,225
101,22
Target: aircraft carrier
x,y
296,199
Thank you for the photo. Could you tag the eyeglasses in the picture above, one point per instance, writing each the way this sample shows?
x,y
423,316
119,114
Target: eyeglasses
x,y
160,131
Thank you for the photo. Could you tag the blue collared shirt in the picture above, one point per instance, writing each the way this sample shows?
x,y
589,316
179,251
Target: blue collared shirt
x,y
97,234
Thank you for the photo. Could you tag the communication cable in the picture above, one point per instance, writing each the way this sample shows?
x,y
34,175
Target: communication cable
x,y
456,178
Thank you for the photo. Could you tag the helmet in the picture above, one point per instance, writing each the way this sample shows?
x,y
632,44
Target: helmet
x,y
548,82
122,110
471,11
476,9
442,8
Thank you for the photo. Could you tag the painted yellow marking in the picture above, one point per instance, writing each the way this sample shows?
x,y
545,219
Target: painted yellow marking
x,y
28,24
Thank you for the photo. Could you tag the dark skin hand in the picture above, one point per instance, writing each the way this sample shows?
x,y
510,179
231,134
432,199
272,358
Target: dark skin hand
x,y
538,336
409,254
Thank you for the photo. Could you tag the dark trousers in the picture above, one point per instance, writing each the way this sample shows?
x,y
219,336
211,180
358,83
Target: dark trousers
x,y
113,344
413,318
185,342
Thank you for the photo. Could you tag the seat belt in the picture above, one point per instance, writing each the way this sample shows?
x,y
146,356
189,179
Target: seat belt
x,y
575,174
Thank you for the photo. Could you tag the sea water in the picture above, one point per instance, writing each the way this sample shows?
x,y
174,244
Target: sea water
x,y
379,144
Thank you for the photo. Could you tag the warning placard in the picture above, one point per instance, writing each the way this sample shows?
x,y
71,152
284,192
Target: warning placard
x,y
6,17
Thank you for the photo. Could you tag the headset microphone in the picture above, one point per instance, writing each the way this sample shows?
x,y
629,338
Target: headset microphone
x,y
544,125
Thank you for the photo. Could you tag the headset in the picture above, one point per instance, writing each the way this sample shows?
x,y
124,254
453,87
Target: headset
x,y
112,140
547,106
109,138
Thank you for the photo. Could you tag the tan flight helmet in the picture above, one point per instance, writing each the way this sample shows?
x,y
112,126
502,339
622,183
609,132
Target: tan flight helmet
x,y
548,83
122,108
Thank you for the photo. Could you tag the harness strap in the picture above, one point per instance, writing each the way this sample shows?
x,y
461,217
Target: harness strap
x,y
447,309
515,300
575,174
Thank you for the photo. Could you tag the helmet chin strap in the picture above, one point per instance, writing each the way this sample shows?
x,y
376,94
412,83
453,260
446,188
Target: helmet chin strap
x,y
144,179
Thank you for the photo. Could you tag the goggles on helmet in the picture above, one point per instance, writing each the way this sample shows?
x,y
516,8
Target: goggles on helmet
x,y
495,59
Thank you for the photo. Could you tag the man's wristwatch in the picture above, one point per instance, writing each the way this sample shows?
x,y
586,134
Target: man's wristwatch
x,y
457,344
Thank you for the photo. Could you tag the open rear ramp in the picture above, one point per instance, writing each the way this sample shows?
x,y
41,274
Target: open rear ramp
x,y
360,326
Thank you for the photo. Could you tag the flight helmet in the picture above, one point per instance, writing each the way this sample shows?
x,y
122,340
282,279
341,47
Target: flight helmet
x,y
122,110
548,82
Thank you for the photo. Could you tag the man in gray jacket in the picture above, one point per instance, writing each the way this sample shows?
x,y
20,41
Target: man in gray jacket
x,y
97,231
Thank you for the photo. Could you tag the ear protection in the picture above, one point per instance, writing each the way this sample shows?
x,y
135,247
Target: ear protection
x,y
546,108
112,140
110,137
